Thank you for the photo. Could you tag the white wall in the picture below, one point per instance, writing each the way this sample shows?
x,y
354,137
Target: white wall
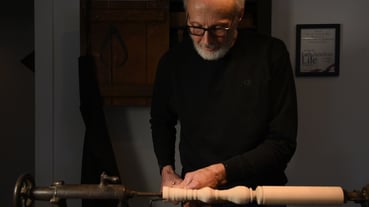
x,y
333,111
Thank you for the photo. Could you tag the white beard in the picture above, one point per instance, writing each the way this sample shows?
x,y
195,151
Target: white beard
x,y
212,55
217,54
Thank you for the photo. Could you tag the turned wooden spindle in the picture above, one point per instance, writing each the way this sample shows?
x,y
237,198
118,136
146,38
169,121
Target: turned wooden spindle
x,y
263,195
237,195
299,195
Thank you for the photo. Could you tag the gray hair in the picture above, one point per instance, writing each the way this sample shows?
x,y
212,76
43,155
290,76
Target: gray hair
x,y
240,4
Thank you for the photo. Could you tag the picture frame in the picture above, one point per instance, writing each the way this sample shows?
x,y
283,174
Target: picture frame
x,y
317,49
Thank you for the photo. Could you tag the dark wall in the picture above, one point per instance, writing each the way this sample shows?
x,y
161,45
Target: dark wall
x,y
17,95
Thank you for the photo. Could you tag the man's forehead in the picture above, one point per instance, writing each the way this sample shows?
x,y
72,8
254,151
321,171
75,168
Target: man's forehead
x,y
223,7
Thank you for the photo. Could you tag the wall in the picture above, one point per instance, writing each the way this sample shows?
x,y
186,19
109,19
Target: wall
x,y
59,127
130,134
333,111
17,95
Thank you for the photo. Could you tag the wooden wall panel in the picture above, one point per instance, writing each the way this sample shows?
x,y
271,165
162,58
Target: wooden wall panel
x,y
127,39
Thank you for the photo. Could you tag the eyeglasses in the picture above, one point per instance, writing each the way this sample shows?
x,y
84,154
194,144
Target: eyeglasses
x,y
217,31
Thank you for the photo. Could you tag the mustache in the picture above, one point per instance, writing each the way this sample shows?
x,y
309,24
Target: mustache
x,y
209,46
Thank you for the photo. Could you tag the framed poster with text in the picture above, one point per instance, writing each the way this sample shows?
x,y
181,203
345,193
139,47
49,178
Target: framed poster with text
x,y
317,49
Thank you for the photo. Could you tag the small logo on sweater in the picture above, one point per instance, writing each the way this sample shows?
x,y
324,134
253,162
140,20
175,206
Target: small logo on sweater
x,y
246,83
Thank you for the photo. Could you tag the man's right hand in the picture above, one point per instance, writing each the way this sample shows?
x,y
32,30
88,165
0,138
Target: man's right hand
x,y
169,177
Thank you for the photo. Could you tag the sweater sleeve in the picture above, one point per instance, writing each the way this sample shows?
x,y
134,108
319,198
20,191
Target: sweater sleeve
x,y
163,118
279,144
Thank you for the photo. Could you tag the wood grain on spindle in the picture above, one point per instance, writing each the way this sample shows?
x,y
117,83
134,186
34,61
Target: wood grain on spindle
x,y
263,195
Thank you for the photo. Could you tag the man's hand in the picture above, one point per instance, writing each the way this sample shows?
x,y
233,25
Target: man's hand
x,y
169,177
211,176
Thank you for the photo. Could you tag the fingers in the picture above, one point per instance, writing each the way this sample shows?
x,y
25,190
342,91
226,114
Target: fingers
x,y
210,176
171,180
174,182
191,182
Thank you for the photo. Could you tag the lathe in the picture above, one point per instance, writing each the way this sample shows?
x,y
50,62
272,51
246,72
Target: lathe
x,y
25,193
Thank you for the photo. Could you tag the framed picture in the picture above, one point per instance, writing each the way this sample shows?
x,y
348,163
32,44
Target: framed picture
x,y
317,49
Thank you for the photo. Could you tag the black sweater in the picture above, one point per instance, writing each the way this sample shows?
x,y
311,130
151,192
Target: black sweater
x,y
240,110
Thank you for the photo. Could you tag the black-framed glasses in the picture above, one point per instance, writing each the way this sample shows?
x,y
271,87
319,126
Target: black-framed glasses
x,y
217,31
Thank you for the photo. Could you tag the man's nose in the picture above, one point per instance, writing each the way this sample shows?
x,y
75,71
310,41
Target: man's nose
x,y
207,38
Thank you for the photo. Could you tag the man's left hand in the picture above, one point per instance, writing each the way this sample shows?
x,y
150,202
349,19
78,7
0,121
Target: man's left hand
x,y
211,176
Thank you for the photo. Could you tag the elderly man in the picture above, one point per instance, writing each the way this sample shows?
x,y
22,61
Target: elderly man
x,y
233,94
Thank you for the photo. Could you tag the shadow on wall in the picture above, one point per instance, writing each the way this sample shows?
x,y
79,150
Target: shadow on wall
x,y
17,90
